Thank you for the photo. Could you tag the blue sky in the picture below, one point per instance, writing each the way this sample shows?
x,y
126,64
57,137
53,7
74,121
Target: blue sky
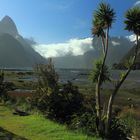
x,y
53,21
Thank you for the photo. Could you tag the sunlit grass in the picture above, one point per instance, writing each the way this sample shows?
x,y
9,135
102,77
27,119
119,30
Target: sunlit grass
x,y
36,127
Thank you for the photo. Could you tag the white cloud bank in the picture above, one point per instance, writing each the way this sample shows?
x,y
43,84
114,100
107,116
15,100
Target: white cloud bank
x,y
73,47
115,43
137,3
132,38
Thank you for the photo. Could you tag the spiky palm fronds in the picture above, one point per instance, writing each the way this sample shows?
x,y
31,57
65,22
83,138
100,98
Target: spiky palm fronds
x,y
104,16
97,29
132,20
105,75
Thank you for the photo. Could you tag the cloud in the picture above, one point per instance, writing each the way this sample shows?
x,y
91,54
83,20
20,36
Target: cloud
x,y
115,43
132,38
72,47
137,3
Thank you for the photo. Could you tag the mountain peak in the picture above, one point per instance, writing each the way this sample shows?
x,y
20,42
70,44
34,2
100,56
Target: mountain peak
x,y
6,18
7,25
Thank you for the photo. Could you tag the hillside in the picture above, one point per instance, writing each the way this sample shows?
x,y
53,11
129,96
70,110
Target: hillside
x,y
15,51
118,47
129,55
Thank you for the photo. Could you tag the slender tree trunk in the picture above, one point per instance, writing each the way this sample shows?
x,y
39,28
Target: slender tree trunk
x,y
98,86
103,44
98,108
105,48
111,101
112,97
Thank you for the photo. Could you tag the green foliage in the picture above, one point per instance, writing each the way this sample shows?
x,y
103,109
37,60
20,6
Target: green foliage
x,y
129,62
36,127
22,104
104,16
132,124
63,104
97,30
47,77
55,102
132,20
46,85
105,76
5,135
4,87
122,74
118,130
85,122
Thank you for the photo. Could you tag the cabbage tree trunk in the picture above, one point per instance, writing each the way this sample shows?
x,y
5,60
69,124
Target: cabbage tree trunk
x,y
117,87
98,85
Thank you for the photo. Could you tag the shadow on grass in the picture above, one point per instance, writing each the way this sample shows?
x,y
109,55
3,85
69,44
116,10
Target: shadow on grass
x,y
6,135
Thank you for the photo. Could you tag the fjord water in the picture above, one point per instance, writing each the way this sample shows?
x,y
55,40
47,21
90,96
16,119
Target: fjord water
x,y
82,76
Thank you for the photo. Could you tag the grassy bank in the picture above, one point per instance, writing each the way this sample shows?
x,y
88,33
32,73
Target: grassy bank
x,y
35,127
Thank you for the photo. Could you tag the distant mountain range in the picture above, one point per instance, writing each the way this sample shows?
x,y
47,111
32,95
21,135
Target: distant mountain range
x,y
128,56
118,47
15,51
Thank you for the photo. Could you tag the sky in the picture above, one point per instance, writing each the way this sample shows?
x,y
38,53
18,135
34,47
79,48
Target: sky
x,y
61,27
54,21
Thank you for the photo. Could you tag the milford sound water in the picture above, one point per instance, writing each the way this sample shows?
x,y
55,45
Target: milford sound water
x,y
81,76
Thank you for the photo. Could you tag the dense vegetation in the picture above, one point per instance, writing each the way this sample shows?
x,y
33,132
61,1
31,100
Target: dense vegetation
x,y
95,114
125,110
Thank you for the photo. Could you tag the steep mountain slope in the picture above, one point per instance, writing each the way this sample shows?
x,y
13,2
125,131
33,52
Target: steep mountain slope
x,y
15,51
7,25
118,47
129,55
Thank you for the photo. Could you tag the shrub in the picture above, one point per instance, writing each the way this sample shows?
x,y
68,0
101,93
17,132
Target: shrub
x,y
46,85
22,104
63,104
55,102
4,87
118,131
132,124
85,122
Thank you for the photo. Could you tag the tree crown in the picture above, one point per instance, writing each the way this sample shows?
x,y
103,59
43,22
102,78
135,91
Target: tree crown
x,y
132,20
104,16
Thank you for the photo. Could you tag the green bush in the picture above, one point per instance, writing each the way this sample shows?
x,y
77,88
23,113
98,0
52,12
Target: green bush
x,y
23,104
5,87
85,122
119,131
63,104
132,124
55,102
46,85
